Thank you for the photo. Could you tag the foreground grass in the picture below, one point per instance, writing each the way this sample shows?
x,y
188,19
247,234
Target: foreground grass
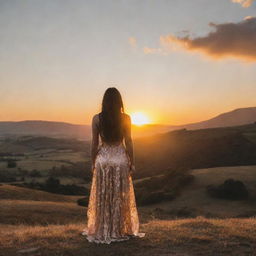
x,y
197,236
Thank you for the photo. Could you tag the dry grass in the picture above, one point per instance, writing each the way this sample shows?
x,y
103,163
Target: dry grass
x,y
19,193
28,206
51,225
195,200
42,213
199,236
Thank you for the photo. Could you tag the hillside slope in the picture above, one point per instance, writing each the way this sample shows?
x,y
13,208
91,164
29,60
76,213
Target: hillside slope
x,y
203,148
41,223
33,207
11,192
44,128
195,201
188,237
235,117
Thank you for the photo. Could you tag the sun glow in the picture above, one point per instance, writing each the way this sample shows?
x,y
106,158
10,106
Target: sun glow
x,y
139,118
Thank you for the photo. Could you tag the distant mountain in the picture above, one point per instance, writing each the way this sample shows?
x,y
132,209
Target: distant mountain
x,y
239,116
45,128
67,130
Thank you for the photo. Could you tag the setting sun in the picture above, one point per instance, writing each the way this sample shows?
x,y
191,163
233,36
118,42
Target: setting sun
x,y
139,118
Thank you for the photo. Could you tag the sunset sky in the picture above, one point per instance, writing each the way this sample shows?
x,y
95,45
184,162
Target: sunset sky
x,y
177,61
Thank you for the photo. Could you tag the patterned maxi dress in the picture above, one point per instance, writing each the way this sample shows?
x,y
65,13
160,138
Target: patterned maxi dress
x,y
112,213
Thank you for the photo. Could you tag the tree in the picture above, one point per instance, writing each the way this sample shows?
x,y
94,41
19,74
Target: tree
x,y
52,184
11,163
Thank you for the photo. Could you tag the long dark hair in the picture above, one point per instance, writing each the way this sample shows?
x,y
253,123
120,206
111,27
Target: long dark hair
x,y
111,122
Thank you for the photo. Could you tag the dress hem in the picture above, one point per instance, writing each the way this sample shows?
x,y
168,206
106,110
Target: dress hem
x,y
108,240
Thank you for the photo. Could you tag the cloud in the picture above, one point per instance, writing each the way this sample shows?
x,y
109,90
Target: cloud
x,y
237,40
132,42
148,50
248,17
244,3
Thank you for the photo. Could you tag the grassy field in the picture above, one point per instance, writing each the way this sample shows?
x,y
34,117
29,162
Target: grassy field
x,y
38,223
34,207
44,161
43,224
194,200
9,192
38,165
197,236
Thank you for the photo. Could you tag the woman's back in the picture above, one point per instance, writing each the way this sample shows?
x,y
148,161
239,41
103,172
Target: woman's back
x,y
124,124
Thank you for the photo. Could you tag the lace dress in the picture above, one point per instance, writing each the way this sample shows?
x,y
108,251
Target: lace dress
x,y
112,214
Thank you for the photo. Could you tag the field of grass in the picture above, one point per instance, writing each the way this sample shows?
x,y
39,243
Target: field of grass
x,y
36,166
19,193
197,236
31,164
33,207
26,212
194,200
251,136
39,223
44,161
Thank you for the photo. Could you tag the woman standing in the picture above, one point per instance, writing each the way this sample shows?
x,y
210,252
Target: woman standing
x,y
112,212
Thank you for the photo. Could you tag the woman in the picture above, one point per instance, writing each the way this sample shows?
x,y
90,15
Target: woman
x,y
112,212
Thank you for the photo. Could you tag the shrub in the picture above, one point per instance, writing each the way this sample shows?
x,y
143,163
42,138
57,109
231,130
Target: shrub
x,y
230,189
83,201
11,163
52,184
35,173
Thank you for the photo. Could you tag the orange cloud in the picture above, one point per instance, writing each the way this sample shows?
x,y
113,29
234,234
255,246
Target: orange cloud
x,y
244,3
237,40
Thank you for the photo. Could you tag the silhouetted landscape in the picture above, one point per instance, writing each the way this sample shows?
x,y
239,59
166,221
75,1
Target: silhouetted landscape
x,y
83,132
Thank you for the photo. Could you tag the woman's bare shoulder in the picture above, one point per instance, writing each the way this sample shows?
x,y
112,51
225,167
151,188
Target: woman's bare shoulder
x,y
126,120
95,119
126,116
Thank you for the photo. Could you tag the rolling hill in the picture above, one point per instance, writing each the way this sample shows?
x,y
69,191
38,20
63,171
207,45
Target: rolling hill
x,y
235,117
191,149
44,128
194,200
191,224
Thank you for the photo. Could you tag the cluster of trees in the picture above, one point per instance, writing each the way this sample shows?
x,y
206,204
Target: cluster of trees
x,y
161,188
53,185
79,170
10,162
18,174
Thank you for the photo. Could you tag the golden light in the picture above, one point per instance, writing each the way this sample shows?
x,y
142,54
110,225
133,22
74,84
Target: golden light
x,y
139,118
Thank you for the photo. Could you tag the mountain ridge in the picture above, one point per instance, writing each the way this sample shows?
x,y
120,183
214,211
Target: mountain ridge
x,y
234,117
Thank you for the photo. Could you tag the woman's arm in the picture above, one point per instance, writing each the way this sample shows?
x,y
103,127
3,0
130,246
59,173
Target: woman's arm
x,y
95,140
128,141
